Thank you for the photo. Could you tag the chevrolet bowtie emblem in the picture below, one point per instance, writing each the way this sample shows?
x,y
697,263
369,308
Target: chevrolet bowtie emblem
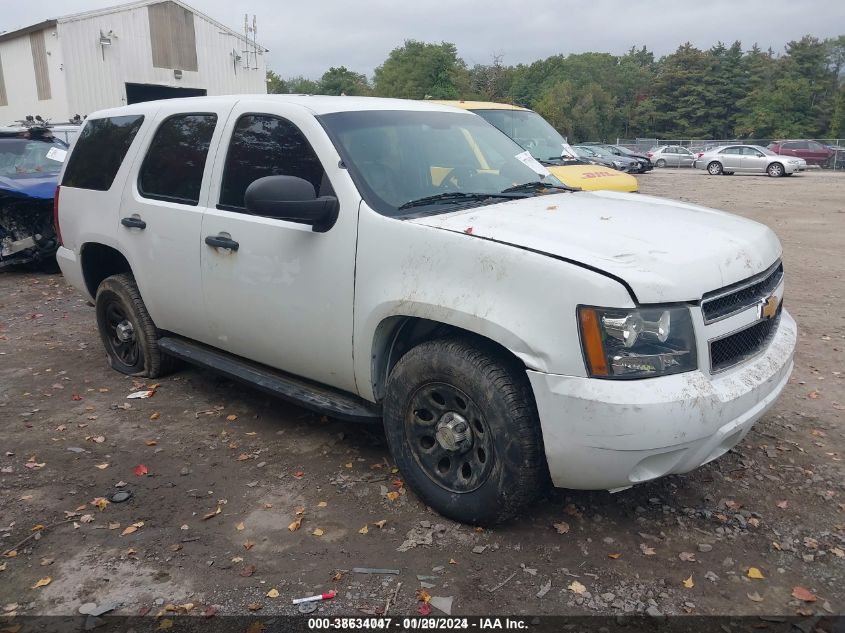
x,y
769,308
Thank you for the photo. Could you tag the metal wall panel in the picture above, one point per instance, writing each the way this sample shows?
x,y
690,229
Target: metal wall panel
x,y
39,63
3,98
172,36
20,79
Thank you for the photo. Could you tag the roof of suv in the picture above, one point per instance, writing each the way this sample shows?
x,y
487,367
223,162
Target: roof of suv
x,y
481,105
316,104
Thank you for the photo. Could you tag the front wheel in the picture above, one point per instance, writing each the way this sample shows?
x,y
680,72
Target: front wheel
x,y
714,168
126,329
462,425
775,170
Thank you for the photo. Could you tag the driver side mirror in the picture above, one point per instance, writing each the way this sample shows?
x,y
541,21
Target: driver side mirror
x,y
292,199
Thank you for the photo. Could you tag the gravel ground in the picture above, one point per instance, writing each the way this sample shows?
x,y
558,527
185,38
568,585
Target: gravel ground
x,y
227,469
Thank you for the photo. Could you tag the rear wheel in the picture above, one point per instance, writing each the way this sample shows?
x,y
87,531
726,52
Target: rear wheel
x,y
660,163
126,329
462,424
775,170
714,168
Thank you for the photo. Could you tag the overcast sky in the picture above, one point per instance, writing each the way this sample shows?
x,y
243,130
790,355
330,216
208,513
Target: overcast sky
x,y
305,37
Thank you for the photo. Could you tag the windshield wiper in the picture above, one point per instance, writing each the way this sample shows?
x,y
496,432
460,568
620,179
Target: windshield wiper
x,y
537,185
457,196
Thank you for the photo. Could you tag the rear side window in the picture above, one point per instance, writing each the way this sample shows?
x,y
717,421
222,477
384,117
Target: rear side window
x,y
99,151
264,145
174,164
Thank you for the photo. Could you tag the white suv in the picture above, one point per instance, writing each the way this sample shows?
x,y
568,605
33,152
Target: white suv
x,y
397,260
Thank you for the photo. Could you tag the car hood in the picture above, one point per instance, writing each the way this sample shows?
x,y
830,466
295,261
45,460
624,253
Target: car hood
x,y
592,177
39,186
662,249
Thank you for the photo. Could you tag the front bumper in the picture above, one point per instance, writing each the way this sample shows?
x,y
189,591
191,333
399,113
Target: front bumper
x,y
607,434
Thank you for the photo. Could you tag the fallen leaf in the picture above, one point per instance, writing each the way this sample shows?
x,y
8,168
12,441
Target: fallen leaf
x,y
836,551
687,557
155,416
76,397
99,439
165,624
176,547
231,418
294,526
247,571
129,530
150,442
646,550
2,566
425,609
782,504
85,518
422,595
468,230
211,515
380,524
813,395
576,587
615,555
140,470
322,504
243,457
253,606
562,527
317,532
452,561
337,577
12,553
803,594
248,545
25,498
348,465
240,526
689,583
273,593
754,597
363,530
392,496
755,573
101,466
298,474
238,559
114,526
100,502
42,583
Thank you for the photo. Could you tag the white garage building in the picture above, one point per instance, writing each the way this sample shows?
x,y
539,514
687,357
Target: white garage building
x,y
135,52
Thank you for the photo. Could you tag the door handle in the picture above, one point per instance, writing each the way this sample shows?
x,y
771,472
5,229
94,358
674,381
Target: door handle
x,y
222,242
133,223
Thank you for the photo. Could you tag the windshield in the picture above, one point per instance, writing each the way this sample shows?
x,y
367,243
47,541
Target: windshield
x,y
601,151
397,157
528,129
31,156
584,152
765,150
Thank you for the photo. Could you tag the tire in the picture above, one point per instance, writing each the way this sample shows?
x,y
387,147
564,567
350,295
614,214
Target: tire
x,y
462,425
660,163
128,333
775,170
714,168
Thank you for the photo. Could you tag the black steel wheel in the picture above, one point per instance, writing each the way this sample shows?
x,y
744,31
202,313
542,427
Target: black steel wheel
x,y
453,444
462,425
128,333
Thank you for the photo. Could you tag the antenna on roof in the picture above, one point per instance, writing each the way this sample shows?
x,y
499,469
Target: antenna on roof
x,y
251,50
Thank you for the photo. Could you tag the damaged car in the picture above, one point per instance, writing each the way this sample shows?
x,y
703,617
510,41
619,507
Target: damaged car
x,y
363,258
30,161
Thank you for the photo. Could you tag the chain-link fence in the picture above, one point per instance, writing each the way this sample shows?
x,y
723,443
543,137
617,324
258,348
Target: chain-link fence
x,y
826,153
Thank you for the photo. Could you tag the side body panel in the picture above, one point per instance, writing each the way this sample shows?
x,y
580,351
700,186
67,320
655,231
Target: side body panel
x,y
522,300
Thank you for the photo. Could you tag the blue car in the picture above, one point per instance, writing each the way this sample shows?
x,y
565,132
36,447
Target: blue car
x,y
30,161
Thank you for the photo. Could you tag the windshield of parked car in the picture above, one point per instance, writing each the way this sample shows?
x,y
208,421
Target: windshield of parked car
x,y
601,151
528,129
403,158
765,150
31,156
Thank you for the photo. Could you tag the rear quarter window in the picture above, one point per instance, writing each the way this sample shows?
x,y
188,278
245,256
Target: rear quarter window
x,y
99,152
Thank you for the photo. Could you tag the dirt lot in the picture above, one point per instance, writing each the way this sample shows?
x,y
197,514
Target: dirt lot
x,y
227,468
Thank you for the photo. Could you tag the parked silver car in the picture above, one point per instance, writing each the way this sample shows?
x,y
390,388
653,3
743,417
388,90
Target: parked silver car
x,y
671,156
748,159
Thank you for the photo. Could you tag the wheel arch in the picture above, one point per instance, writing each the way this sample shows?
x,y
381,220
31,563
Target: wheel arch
x,y
396,335
99,261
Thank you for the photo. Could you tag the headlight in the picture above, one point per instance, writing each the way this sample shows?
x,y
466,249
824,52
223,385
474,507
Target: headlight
x,y
638,343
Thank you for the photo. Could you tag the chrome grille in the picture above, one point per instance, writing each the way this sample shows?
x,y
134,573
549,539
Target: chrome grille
x,y
739,346
721,304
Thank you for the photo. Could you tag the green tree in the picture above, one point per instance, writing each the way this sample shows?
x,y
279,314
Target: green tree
x,y
419,70
275,84
341,80
300,85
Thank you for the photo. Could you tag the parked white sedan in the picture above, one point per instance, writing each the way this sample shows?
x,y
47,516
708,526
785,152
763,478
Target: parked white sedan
x,y
747,159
